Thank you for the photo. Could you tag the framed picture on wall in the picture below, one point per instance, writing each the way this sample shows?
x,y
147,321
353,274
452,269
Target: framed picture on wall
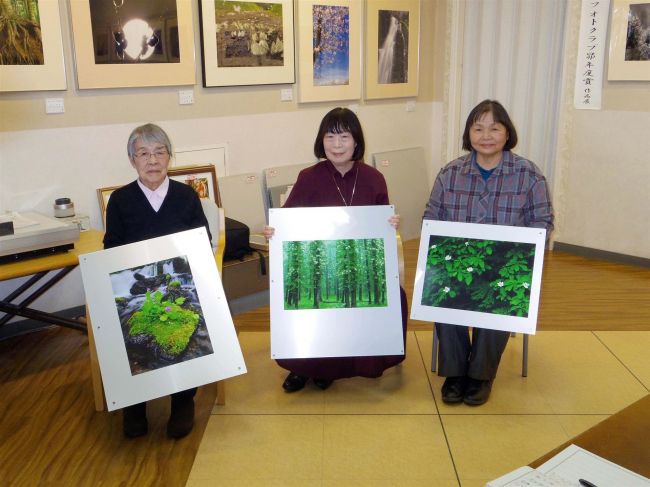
x,y
629,44
203,180
471,274
247,43
392,44
133,43
32,58
329,55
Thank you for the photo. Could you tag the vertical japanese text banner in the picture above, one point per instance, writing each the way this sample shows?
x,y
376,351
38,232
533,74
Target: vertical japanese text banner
x,y
591,54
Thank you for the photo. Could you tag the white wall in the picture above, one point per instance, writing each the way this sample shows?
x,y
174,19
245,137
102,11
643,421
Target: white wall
x,y
602,184
38,166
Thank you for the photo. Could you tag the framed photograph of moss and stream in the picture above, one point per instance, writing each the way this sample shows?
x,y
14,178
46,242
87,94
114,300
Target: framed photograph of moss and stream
x,y
159,317
486,276
334,286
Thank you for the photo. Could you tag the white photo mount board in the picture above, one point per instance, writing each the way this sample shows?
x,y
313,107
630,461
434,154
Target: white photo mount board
x,y
408,186
278,179
121,387
503,233
339,332
242,199
216,154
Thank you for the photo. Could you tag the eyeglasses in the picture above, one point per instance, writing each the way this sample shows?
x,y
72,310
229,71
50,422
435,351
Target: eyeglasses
x,y
158,155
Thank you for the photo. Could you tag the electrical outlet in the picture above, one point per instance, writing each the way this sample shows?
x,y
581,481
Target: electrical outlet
x,y
286,94
185,97
54,105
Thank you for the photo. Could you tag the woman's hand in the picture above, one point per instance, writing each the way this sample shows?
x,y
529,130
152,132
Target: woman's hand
x,y
394,221
268,232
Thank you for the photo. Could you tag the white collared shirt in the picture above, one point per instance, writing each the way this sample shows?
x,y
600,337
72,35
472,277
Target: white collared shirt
x,y
157,196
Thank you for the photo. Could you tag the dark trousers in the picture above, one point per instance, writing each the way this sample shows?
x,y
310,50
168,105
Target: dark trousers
x,y
180,397
478,359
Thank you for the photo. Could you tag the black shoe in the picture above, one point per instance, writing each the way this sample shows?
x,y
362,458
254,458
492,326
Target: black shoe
x,y
323,383
134,420
477,392
181,419
453,389
294,382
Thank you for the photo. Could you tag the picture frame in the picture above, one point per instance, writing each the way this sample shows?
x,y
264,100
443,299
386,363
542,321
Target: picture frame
x,y
621,67
50,75
485,276
165,70
328,72
128,297
220,69
339,319
392,48
206,174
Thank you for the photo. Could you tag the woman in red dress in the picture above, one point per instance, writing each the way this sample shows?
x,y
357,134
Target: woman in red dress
x,y
340,178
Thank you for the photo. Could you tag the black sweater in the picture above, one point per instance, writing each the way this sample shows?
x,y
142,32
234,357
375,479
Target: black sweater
x,y
130,217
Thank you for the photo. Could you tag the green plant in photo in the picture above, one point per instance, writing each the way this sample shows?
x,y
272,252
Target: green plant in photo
x,y
167,322
478,275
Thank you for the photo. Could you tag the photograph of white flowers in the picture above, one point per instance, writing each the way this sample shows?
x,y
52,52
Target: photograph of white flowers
x,y
486,276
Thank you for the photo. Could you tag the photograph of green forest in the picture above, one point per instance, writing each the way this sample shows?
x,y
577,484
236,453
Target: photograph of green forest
x,y
322,274
488,276
21,42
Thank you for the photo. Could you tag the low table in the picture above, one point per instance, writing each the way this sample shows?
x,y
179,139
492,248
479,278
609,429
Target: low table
x,y
623,438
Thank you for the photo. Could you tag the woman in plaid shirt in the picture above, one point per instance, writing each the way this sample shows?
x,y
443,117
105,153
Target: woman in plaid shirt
x,y
490,185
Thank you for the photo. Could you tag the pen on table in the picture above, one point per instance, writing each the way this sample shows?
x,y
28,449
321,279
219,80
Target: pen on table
x,y
586,483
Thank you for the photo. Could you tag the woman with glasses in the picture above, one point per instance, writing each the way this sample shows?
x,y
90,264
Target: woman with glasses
x,y
490,185
340,178
153,206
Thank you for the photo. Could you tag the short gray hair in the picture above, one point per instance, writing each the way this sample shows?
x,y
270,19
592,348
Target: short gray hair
x,y
148,133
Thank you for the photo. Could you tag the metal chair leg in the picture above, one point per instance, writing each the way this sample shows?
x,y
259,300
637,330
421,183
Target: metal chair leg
x,y
434,350
524,362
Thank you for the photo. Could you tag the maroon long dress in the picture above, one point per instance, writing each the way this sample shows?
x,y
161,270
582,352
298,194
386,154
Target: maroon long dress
x,y
317,186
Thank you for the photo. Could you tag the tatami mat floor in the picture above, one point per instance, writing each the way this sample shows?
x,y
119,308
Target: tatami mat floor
x,y
396,431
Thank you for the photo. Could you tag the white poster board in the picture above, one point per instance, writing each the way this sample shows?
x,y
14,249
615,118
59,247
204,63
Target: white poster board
x,y
159,317
348,248
485,276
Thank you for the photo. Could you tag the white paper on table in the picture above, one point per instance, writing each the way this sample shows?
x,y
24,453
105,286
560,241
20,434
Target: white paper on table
x,y
575,463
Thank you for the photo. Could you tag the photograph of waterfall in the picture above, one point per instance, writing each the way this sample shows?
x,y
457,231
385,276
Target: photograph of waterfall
x,y
331,45
321,274
393,46
160,314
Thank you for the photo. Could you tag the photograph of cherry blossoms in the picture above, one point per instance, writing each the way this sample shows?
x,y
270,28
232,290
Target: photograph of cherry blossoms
x,y
331,34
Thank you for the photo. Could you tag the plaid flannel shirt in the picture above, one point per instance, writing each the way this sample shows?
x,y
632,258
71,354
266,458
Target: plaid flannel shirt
x,y
516,193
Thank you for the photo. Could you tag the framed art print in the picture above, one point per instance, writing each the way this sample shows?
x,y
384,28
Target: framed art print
x,y
334,283
392,45
247,43
133,43
485,276
160,318
31,51
203,180
629,45
329,55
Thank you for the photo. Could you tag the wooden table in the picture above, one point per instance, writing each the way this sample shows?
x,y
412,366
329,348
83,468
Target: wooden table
x,y
623,438
39,268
